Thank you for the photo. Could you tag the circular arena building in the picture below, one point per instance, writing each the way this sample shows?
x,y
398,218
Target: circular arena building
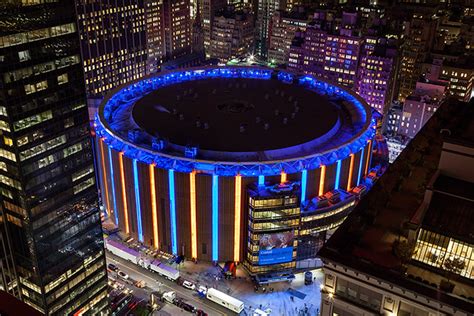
x,y
235,164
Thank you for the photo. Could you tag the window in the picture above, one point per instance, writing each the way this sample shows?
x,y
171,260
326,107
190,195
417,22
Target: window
x,y
24,55
62,79
32,120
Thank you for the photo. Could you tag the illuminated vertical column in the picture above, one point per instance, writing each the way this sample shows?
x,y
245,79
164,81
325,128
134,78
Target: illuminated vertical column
x,y
215,217
321,180
338,174
138,208
104,176
174,239
351,170
369,152
361,160
192,198
261,180
283,177
154,212
113,187
124,193
237,217
304,179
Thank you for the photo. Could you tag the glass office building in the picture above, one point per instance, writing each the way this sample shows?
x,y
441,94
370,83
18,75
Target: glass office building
x,y
49,218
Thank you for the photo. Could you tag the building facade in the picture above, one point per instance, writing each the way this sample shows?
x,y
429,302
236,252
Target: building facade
x,y
264,11
232,34
423,266
176,28
376,74
208,10
283,29
50,214
418,40
113,38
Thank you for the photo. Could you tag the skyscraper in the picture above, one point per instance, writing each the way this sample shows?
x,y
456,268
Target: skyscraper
x,y
113,42
49,214
232,34
208,9
375,75
283,30
265,10
419,36
176,28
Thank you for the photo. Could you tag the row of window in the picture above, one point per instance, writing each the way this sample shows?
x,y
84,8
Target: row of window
x,y
35,35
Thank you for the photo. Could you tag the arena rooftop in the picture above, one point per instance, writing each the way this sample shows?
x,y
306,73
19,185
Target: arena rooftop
x,y
234,120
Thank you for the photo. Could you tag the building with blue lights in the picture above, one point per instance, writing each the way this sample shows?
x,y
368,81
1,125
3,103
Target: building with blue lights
x,y
184,149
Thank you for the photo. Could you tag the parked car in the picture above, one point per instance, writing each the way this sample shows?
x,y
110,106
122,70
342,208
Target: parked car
x,y
200,312
189,285
112,267
123,275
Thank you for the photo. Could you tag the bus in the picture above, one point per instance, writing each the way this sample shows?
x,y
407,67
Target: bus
x,y
225,300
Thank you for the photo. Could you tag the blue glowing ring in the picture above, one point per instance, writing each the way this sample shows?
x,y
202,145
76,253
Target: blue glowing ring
x,y
131,93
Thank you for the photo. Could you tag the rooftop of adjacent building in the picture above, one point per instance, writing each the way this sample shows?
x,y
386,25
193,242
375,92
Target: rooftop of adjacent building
x,y
11,306
270,190
451,208
365,241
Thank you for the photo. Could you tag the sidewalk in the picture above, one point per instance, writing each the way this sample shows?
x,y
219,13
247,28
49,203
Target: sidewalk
x,y
242,288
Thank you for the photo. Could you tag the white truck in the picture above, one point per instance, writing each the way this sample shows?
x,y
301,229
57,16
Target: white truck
x,y
121,250
164,270
225,300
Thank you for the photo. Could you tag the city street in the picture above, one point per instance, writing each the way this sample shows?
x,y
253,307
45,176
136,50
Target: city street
x,y
158,283
286,299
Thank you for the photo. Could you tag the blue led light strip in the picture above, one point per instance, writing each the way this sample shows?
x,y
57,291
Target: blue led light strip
x,y
174,242
338,174
304,177
137,200
361,160
113,187
261,180
215,217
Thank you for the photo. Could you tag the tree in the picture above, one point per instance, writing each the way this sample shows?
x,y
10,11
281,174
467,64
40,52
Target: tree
x,y
453,266
403,250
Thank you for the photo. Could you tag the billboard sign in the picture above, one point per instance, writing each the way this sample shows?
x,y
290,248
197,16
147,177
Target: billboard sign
x,y
276,248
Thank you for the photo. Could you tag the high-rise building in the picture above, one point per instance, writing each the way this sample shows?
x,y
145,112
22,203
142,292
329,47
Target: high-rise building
x,y
375,75
154,35
208,10
407,248
232,34
329,52
283,30
197,33
114,42
420,106
460,75
49,213
418,40
176,28
265,10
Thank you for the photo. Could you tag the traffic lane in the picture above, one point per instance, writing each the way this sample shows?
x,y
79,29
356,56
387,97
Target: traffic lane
x,y
164,284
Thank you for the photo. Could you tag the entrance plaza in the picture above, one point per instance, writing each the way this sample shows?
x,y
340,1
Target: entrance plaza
x,y
242,288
